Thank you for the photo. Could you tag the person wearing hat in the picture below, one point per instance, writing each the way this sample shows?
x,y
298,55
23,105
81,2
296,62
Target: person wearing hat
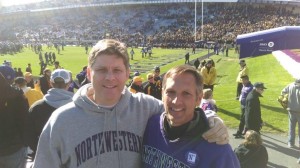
x,y
32,95
209,74
293,108
13,112
243,72
41,110
136,85
150,88
253,120
247,88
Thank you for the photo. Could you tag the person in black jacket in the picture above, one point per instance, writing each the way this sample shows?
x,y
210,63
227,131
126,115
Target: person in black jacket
x,y
197,63
13,113
41,110
253,119
251,153
45,81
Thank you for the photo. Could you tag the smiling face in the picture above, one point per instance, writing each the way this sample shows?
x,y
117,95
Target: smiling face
x,y
180,98
108,76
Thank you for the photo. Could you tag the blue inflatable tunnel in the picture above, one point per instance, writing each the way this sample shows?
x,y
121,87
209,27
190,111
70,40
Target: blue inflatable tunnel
x,y
266,41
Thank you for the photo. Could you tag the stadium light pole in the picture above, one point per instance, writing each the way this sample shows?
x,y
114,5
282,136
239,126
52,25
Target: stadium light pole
x,y
202,23
195,20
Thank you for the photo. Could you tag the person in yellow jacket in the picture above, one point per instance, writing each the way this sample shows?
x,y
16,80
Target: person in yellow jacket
x,y
136,85
244,71
32,95
209,74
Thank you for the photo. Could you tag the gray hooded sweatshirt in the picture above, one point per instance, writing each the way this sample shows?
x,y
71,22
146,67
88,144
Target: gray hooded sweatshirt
x,y
84,135
293,92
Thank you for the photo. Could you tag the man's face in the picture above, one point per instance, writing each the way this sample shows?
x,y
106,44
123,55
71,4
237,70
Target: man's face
x,y
151,79
180,99
260,90
48,73
245,81
108,76
28,78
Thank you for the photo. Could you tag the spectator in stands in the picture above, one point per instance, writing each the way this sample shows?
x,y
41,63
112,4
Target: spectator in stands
x,y
13,113
103,109
251,153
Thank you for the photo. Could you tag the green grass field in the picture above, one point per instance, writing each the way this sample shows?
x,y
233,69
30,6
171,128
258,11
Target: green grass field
x,y
263,68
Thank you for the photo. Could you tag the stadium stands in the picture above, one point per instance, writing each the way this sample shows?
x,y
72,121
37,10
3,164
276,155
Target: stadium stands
x,y
139,23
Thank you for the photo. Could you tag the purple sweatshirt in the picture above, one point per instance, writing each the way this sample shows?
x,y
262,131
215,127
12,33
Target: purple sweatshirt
x,y
188,151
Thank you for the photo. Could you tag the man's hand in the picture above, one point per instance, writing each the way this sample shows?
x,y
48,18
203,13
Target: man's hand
x,y
218,131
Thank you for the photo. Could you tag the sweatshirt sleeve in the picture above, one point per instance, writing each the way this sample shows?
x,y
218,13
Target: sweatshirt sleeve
x,y
48,154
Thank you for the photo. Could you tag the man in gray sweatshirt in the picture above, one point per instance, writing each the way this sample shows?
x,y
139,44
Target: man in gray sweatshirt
x,y
293,91
40,111
105,123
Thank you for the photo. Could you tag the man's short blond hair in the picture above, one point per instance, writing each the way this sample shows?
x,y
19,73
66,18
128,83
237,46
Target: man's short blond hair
x,y
109,47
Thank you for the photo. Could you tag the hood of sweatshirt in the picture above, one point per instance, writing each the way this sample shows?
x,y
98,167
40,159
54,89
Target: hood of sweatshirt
x,y
82,100
58,97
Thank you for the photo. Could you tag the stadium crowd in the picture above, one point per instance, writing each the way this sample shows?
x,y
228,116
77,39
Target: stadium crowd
x,y
162,25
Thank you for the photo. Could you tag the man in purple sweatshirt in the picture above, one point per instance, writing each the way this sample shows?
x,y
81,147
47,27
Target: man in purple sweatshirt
x,y
172,139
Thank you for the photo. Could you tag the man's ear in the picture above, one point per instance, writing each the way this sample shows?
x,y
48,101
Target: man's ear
x,y
88,73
